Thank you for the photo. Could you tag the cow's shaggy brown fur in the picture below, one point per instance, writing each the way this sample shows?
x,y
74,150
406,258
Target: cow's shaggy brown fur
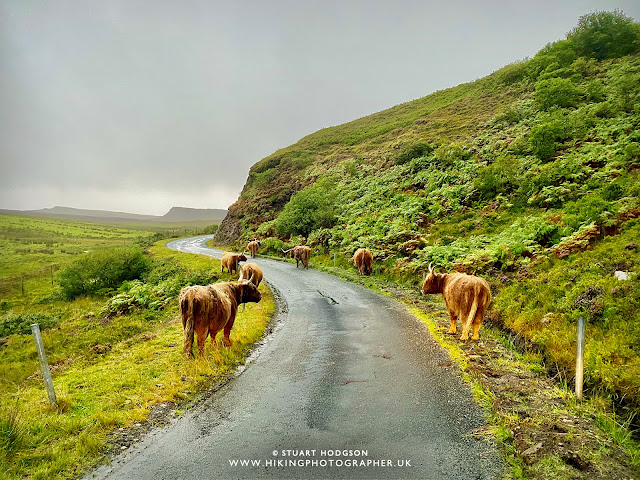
x,y
230,261
251,272
301,253
208,309
363,260
465,296
253,247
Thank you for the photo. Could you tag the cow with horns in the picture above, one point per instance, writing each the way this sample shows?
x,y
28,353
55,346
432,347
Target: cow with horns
x,y
230,261
301,253
208,309
466,297
251,272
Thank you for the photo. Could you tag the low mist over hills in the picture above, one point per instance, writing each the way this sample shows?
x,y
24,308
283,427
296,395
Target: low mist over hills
x,y
175,215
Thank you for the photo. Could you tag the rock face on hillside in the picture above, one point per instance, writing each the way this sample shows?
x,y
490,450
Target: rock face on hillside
x,y
230,228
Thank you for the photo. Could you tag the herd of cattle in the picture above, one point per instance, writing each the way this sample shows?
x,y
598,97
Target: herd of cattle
x,y
208,309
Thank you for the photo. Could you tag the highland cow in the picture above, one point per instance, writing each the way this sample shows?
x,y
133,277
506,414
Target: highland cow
x,y
363,260
465,296
208,309
230,261
253,247
251,272
301,253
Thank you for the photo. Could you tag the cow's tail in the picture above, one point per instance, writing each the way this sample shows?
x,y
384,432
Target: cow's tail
x,y
189,305
472,315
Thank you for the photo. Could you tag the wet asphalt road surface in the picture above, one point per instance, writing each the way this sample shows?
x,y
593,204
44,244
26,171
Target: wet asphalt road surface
x,y
350,386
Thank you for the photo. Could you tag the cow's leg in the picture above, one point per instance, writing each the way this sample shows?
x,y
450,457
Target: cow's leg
x,y
202,336
227,331
188,344
477,322
454,321
466,326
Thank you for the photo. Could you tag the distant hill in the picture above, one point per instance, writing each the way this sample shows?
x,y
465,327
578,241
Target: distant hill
x,y
183,214
175,215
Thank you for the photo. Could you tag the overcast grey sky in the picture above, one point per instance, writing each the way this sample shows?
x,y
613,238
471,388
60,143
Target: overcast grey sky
x,y
139,106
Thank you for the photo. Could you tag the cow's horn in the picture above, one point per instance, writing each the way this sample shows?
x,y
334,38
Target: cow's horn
x,y
253,274
430,267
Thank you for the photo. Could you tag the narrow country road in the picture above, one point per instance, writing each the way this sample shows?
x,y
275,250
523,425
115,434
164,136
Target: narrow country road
x,y
350,386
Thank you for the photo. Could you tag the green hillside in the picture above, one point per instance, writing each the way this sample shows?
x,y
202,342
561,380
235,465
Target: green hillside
x,y
528,177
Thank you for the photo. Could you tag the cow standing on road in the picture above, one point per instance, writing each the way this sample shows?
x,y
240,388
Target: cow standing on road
x,y
301,253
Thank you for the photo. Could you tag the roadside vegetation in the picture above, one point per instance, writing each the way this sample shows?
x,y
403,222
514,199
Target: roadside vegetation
x,y
528,177
113,337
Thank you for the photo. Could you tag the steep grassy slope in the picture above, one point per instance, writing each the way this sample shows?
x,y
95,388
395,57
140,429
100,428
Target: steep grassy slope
x,y
529,177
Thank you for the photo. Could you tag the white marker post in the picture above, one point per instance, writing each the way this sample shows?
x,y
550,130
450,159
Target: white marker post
x,y
44,366
580,358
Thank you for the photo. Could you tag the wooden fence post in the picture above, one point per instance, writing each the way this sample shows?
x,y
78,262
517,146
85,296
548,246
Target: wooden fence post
x,y
580,358
44,366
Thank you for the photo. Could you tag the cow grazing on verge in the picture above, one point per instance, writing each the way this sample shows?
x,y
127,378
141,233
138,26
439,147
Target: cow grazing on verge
x,y
208,309
363,260
253,247
301,253
251,272
230,261
465,296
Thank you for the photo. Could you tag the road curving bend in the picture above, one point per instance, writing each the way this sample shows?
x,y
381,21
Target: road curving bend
x,y
350,386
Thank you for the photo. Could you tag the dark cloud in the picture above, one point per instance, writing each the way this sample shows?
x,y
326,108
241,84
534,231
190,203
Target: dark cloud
x,y
140,106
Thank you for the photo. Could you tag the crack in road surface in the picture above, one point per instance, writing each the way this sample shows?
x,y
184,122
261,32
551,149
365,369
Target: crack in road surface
x,y
320,389
331,300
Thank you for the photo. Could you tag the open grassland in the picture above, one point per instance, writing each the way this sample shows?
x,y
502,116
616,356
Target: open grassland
x,y
115,358
34,247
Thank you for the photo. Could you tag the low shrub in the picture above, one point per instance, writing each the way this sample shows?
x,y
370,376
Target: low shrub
x,y
103,270
21,323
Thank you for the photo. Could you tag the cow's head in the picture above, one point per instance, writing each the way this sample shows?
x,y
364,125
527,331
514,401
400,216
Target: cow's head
x,y
430,283
249,292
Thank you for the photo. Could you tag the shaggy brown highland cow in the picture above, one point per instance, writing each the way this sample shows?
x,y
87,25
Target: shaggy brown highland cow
x,y
464,295
208,309
363,260
301,253
230,261
251,272
253,247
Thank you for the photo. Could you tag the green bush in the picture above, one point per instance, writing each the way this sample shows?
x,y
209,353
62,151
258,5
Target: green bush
x,y
500,177
560,92
272,245
21,324
415,150
543,138
103,270
603,35
511,73
311,208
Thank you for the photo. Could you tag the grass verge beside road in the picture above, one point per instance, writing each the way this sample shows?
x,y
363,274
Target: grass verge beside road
x,y
109,372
